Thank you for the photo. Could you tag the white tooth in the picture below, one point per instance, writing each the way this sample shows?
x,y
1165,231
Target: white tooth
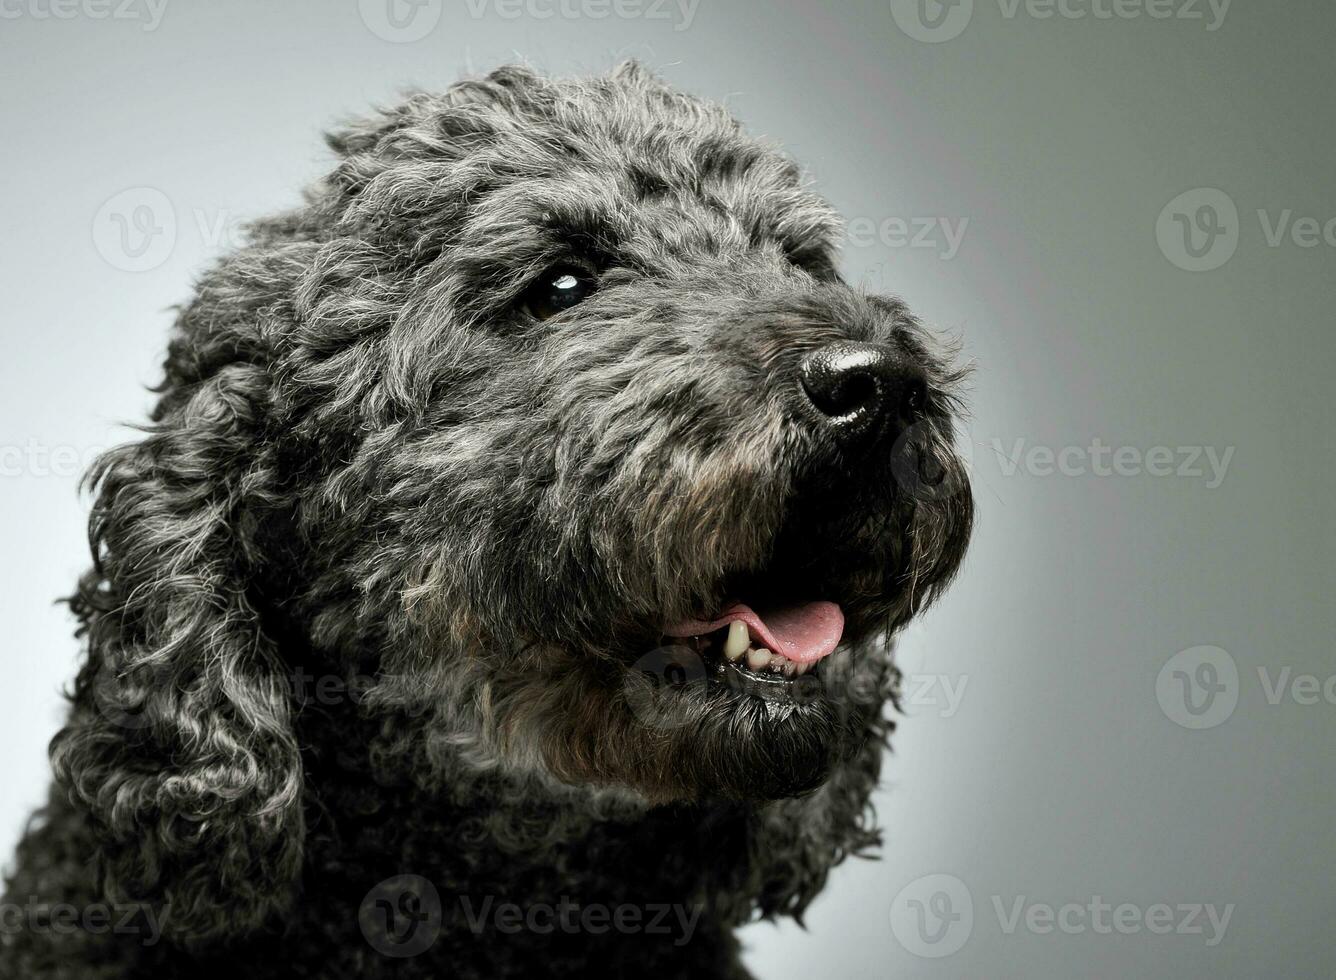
x,y
784,665
757,659
736,644
800,669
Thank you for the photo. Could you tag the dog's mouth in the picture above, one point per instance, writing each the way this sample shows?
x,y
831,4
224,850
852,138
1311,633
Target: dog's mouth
x,y
774,644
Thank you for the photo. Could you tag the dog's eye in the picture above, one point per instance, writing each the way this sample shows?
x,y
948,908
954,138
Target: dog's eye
x,y
558,289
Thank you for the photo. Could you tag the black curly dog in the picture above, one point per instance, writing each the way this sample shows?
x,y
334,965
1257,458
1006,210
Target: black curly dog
x,y
505,584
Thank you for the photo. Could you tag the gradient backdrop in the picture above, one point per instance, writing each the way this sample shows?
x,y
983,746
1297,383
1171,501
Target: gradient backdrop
x,y
1123,207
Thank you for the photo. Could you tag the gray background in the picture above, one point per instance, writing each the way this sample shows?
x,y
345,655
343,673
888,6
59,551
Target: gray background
x,y
1060,775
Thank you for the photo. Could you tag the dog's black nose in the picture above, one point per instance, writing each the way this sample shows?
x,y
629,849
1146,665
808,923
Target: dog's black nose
x,y
862,389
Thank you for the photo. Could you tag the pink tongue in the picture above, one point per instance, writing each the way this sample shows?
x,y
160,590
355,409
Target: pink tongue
x,y
803,634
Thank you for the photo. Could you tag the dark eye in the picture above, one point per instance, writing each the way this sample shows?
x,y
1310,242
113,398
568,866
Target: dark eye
x,y
558,289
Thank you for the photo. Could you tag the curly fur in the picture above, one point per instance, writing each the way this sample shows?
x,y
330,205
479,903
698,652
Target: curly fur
x,y
367,597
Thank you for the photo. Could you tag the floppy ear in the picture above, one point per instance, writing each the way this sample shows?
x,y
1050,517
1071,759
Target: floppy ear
x,y
179,744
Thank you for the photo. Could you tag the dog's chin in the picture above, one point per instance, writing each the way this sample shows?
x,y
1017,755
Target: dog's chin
x,y
729,733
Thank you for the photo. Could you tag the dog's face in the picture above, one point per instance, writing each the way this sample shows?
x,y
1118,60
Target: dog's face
x,y
618,455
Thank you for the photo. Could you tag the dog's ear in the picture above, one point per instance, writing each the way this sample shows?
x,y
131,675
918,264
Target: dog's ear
x,y
179,744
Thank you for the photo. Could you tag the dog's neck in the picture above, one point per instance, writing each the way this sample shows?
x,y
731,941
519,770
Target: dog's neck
x,y
510,863
517,860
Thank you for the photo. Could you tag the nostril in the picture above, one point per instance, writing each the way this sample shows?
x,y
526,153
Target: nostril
x,y
842,394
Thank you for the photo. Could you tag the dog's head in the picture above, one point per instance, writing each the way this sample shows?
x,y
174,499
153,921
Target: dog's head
x,y
550,410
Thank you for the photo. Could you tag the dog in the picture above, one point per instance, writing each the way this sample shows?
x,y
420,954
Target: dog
x,y
505,584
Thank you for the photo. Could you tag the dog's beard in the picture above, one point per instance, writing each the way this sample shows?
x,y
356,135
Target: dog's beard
x,y
688,729
662,726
